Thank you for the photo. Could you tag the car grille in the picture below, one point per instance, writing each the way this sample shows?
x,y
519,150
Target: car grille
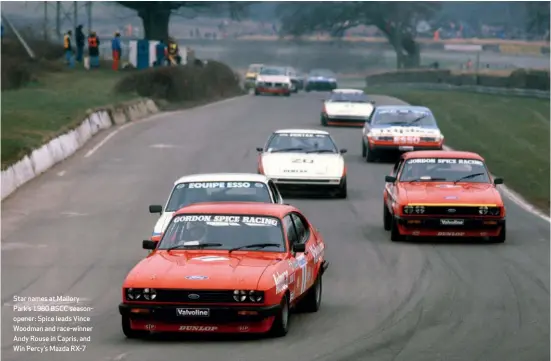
x,y
451,211
164,295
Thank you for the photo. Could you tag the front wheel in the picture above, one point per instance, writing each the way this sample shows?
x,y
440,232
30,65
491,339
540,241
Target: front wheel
x,y
395,235
323,120
369,155
342,193
256,92
287,94
387,219
280,327
364,150
129,332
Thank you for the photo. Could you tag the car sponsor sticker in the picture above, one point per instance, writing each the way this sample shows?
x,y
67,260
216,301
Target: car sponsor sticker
x,y
216,220
197,278
451,197
208,185
452,222
193,312
243,328
281,281
211,258
450,234
317,251
198,328
302,135
444,161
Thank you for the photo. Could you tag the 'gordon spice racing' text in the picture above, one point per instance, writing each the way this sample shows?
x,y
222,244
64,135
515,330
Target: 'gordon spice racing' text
x,y
51,324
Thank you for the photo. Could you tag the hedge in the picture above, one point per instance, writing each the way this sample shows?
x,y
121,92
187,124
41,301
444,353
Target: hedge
x,y
519,78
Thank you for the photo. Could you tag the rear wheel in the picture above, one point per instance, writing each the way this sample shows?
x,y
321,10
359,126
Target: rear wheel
x,y
280,327
129,332
312,300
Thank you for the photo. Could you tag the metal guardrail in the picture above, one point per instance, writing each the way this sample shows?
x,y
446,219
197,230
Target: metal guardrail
x,y
531,93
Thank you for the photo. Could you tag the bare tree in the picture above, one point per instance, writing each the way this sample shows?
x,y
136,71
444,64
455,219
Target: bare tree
x,y
156,15
396,20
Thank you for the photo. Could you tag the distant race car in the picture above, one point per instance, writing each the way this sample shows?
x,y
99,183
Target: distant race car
x,y
348,107
216,187
443,194
320,79
400,128
273,80
250,76
226,268
304,160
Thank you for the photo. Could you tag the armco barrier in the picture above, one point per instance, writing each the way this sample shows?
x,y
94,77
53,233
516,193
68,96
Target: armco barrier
x,y
62,147
531,93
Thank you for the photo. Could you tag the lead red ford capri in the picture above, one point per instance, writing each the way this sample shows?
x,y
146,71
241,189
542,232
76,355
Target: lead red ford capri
x,y
226,268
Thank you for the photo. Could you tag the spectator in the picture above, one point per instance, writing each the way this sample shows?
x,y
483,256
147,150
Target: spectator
x,y
93,49
160,53
116,50
79,38
68,49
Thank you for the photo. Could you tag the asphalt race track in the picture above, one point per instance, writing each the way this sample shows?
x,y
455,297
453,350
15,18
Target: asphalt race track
x,y
77,231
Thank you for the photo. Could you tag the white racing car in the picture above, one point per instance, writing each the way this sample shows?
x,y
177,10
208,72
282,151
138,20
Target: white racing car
x,y
304,160
346,107
216,187
273,80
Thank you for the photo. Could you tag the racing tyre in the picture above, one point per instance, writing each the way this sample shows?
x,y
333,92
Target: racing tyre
x,y
256,92
369,155
342,193
387,218
501,237
287,94
364,150
129,332
280,327
323,121
395,235
312,300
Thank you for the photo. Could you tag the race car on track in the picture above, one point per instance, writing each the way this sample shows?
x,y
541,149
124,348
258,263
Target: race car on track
x,y
346,107
305,160
226,268
443,194
250,76
400,128
273,80
216,187
320,79
296,81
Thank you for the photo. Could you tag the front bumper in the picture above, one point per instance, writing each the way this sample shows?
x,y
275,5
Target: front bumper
x,y
344,120
389,146
308,185
270,90
221,319
432,227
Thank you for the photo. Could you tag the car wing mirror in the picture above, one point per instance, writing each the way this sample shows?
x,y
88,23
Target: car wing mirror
x,y
344,150
299,247
390,179
156,209
148,244
259,149
498,181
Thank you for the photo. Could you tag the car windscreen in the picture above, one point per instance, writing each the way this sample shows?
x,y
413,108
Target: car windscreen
x,y
412,117
322,73
185,194
272,71
348,98
254,68
445,170
224,232
301,143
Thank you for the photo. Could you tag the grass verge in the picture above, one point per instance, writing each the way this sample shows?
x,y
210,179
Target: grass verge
x,y
511,133
53,104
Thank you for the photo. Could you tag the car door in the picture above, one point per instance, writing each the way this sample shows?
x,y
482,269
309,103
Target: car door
x,y
294,269
391,187
305,261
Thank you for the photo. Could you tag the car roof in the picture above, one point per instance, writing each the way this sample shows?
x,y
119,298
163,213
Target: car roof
x,y
223,177
441,154
302,131
348,91
403,107
245,208
255,65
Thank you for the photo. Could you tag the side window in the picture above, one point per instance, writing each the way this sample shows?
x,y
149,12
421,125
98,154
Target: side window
x,y
274,191
397,167
301,227
290,230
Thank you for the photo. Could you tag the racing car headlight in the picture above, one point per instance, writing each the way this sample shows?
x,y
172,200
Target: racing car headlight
x,y
419,209
256,296
489,211
408,209
240,295
133,294
149,294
